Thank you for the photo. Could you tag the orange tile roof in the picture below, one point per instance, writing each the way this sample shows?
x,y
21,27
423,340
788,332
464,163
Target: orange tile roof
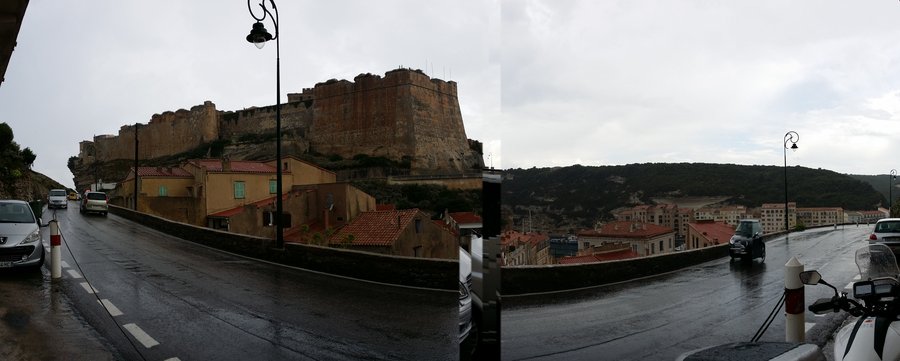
x,y
465,217
163,172
237,166
376,228
578,259
717,232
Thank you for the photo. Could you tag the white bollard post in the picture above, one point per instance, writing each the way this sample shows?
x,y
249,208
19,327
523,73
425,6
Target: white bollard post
x,y
795,323
55,255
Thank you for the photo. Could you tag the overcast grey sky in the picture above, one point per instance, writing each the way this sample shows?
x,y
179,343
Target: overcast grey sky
x,y
617,82
588,82
86,68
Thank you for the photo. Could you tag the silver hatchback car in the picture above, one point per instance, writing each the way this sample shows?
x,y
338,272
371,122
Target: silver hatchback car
x,y
20,236
95,202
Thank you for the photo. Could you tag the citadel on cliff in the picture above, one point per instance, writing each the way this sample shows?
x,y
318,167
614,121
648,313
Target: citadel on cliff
x,y
405,116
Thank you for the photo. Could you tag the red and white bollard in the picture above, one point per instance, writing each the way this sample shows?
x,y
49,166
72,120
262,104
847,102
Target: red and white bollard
x,y
795,323
55,255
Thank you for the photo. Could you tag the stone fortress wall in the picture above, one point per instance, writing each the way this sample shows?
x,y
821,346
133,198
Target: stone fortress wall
x,y
404,114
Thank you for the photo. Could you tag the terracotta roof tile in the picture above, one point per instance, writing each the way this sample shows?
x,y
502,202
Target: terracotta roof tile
x,y
237,166
376,228
717,232
465,217
163,172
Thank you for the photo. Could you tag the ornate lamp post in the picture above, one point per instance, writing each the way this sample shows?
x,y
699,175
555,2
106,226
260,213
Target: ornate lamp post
x,y
793,138
259,36
891,193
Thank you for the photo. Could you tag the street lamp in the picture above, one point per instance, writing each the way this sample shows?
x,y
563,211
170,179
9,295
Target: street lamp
x,y
259,36
891,193
793,137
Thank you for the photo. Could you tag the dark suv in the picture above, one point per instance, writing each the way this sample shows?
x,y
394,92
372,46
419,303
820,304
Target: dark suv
x,y
747,242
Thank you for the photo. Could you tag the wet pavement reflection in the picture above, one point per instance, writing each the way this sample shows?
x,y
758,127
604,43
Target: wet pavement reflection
x,y
37,321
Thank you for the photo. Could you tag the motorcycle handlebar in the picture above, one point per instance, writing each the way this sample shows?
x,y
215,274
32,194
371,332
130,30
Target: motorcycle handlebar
x,y
824,305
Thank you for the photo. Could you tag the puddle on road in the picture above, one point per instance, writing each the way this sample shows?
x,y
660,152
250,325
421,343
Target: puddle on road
x,y
35,314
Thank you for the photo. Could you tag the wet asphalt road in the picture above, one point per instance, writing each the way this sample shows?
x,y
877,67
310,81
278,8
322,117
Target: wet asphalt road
x,y
167,298
661,317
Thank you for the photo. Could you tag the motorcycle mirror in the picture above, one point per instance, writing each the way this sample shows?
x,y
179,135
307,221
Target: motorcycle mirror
x,y
810,277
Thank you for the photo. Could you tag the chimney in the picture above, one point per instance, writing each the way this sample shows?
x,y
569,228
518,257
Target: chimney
x,y
226,164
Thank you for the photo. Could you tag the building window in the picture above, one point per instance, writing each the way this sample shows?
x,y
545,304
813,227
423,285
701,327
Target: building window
x,y
417,251
239,190
273,186
661,246
418,226
163,191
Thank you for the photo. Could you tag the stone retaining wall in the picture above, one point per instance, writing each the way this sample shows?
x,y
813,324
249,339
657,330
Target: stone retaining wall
x,y
406,271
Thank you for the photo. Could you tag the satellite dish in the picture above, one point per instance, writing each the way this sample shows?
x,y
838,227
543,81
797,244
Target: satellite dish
x,y
329,201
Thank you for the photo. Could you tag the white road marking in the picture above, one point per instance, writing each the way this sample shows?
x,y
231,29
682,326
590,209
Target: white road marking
x,y
173,359
849,286
140,335
113,310
64,264
73,273
87,287
809,325
857,278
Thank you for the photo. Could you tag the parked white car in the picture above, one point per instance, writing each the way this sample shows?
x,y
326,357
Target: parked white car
x,y
20,236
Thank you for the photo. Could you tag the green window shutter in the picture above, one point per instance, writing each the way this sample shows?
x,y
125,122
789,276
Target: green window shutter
x,y
273,185
163,191
238,190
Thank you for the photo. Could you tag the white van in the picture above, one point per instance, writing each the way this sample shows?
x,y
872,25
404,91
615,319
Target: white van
x,y
57,199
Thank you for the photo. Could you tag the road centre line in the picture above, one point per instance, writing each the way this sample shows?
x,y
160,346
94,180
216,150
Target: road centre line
x,y
64,264
73,273
140,335
87,287
809,325
173,359
111,308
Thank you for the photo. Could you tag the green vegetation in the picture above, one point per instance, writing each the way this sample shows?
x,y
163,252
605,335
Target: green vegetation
x,y
590,193
14,161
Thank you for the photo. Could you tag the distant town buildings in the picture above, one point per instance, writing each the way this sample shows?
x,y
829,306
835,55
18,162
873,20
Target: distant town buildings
x,y
524,248
772,216
647,230
643,238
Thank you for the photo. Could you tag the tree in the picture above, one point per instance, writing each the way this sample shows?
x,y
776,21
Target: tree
x,y
6,135
28,157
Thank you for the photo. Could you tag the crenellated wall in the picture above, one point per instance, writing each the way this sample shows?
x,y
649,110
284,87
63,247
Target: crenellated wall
x,y
166,134
403,115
